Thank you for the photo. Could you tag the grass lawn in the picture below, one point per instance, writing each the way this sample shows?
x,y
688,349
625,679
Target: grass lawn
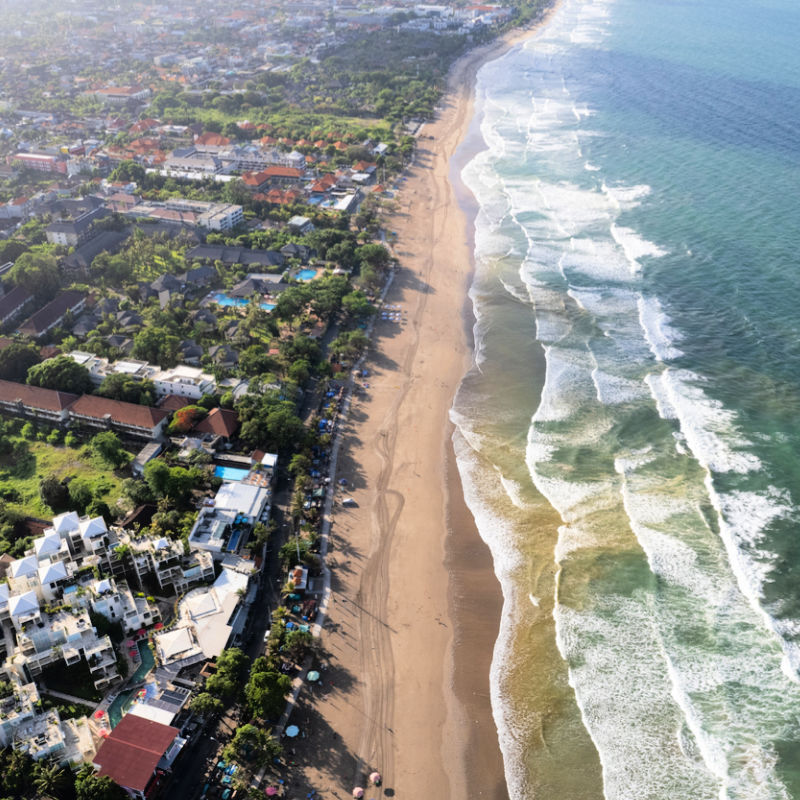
x,y
23,475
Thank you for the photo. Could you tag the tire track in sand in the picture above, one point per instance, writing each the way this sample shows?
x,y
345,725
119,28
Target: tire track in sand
x,y
376,748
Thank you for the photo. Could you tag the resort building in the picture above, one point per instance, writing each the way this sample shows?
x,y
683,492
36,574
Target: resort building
x,y
128,419
41,735
138,754
236,507
182,380
211,618
50,591
164,561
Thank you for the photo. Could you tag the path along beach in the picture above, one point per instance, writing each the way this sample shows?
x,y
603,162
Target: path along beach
x,y
415,606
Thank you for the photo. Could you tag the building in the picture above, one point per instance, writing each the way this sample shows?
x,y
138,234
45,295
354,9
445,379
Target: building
x,y
47,318
40,161
211,617
73,231
181,380
21,400
128,419
13,303
120,95
138,754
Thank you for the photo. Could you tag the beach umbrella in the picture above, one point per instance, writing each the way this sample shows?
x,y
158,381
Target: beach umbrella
x,y
358,792
375,778
292,731
313,675
271,791
99,713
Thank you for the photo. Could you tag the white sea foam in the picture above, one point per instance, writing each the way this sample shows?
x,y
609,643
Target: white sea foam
x,y
613,389
710,429
635,247
658,331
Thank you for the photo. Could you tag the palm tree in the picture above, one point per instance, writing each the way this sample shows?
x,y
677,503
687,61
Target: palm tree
x,y
50,780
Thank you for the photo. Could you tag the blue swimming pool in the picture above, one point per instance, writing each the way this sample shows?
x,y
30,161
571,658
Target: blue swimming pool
x,y
306,275
125,700
234,540
231,473
222,299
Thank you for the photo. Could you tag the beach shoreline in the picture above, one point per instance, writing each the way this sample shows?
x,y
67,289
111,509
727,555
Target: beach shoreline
x,y
415,605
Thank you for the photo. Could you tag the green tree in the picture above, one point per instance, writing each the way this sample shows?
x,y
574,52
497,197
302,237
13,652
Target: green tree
x,y
356,305
16,360
109,448
62,374
158,345
38,273
207,705
266,693
52,781
252,745
124,387
375,256
174,483
54,493
129,171
89,786
80,494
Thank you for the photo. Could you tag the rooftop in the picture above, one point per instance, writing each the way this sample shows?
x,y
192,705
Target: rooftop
x,y
130,755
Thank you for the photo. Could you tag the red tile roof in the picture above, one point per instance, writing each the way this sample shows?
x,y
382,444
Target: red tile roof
x,y
55,310
219,422
35,397
172,402
124,413
213,139
131,753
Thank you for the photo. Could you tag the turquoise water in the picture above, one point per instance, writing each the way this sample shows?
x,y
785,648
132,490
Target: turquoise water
x,y
306,275
628,437
234,540
125,700
222,299
231,473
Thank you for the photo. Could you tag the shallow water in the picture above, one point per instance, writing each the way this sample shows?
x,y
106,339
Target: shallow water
x,y
636,242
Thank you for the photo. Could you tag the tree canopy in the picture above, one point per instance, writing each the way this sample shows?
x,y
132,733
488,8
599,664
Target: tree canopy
x,y
62,374
16,360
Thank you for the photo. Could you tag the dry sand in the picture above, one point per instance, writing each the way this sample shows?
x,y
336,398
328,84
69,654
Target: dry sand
x,y
415,606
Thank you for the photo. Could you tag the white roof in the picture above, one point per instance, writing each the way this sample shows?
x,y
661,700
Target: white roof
x,y
161,715
50,573
269,459
102,586
3,595
21,604
91,528
243,498
47,545
210,610
175,642
161,544
23,567
66,522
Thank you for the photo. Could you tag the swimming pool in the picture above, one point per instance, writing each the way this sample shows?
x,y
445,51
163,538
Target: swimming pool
x,y
222,299
125,700
306,275
234,540
231,473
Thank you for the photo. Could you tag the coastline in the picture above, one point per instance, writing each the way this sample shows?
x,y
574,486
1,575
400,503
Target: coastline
x,y
415,605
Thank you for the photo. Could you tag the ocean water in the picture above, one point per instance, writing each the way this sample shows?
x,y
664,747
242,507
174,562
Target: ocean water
x,y
628,435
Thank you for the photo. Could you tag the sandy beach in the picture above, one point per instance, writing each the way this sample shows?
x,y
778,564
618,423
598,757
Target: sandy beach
x,y
415,605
